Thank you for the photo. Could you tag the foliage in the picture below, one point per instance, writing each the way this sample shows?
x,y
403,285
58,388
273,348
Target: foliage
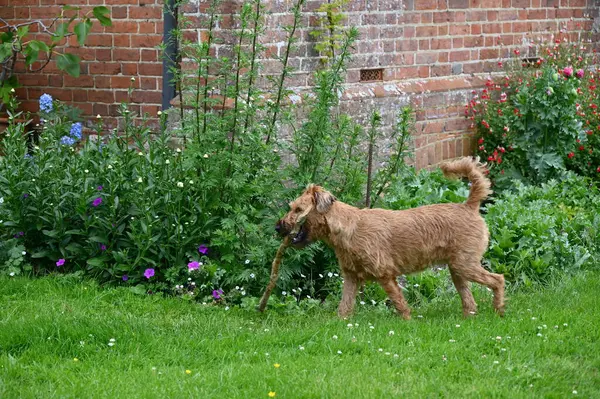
x,y
18,43
532,122
536,232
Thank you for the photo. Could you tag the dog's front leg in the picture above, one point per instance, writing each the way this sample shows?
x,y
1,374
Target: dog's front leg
x,y
349,292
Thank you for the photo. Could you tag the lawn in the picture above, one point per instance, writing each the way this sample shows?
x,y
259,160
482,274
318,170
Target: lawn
x,y
60,338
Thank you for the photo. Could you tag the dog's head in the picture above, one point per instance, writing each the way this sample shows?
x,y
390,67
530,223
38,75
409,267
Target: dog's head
x,y
306,218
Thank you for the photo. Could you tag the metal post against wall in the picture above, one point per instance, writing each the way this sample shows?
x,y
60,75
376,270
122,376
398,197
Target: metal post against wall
x,y
170,53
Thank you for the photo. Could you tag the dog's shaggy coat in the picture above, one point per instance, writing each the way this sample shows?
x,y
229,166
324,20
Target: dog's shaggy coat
x,y
380,245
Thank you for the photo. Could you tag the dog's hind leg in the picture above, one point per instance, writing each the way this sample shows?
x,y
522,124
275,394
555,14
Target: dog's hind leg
x,y
395,293
469,305
349,291
473,271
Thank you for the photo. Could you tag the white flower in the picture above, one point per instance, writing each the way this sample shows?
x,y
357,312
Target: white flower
x,y
191,182
320,275
132,79
243,292
458,325
98,116
111,344
395,355
350,325
534,318
335,337
330,274
109,166
139,180
416,285
373,302
283,293
498,338
252,275
362,302
302,275
574,392
180,184
12,274
539,334
496,362
301,348
178,150
339,352
12,90
380,350
205,155
391,332
247,261
372,327
451,340
159,113
23,253
112,340
141,154
226,307
565,324
167,162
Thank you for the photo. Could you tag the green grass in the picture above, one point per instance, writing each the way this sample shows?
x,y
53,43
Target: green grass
x,y
46,323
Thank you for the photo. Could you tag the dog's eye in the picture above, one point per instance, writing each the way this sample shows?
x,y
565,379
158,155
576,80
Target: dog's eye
x,y
298,210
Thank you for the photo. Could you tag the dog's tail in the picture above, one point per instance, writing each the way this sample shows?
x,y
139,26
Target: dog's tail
x,y
475,172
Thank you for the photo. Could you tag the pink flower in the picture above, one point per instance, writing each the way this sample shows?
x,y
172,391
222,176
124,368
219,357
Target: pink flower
x,y
60,262
579,73
193,265
148,273
568,72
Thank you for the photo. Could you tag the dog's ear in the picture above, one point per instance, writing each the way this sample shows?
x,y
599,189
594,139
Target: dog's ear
x,y
323,200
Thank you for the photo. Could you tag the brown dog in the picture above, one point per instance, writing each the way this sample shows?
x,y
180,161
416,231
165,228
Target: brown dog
x,y
378,244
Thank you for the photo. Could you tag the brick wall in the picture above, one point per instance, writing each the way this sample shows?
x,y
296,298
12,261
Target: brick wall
x,y
111,57
433,52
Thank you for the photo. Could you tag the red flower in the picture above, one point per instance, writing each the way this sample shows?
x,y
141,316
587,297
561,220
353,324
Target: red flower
x,y
480,141
598,170
517,52
571,155
581,148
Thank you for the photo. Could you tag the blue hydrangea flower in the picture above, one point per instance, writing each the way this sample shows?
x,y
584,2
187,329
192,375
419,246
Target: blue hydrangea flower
x,y
66,140
46,103
76,130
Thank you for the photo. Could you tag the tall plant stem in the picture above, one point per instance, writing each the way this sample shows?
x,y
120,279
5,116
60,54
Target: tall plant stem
x,y
253,55
285,71
211,25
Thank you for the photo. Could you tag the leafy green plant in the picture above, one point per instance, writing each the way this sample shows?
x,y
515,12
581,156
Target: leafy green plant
x,y
536,232
16,43
531,124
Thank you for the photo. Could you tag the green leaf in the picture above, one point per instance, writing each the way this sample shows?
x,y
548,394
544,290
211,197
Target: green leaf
x,y
82,30
102,14
5,51
22,31
61,31
50,233
69,63
96,262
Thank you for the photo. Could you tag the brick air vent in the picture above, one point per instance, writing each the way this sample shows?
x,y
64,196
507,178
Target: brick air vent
x,y
371,75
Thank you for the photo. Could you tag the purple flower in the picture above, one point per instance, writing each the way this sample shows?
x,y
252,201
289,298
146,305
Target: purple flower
x,y
19,234
125,277
102,247
25,195
203,249
97,201
193,265
99,188
217,293
66,140
580,73
46,103
76,130
60,262
148,273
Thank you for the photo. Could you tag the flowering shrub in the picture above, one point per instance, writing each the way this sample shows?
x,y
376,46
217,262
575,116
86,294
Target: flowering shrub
x,y
531,123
